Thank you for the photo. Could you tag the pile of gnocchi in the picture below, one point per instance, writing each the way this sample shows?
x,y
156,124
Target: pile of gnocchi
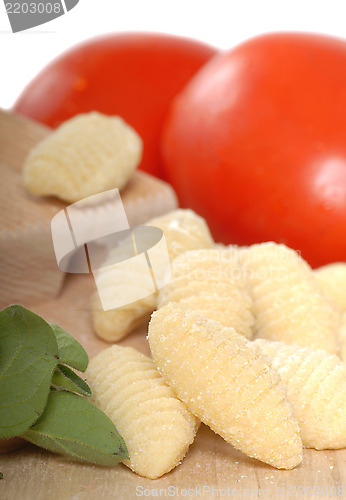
x,y
248,340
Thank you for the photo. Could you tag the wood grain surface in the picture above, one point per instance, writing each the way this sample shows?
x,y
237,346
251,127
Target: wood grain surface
x,y
211,469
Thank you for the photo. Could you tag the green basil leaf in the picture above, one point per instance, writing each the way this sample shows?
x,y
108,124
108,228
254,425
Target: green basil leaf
x,y
1,475
65,378
28,357
70,351
73,426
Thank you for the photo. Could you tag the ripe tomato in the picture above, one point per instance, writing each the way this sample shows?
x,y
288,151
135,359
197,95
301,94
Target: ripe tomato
x,y
256,143
132,75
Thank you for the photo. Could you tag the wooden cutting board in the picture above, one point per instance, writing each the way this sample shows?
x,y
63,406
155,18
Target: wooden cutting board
x,y
211,469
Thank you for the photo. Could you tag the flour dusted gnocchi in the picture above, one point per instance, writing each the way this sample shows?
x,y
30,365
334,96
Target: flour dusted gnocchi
x,y
88,154
230,312
316,384
289,305
156,426
212,283
184,230
332,278
226,382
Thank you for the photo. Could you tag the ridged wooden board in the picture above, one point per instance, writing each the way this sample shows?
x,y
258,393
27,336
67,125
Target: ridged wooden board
x,y
211,463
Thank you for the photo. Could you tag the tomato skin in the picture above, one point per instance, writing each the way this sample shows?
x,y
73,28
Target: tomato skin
x,y
256,143
134,75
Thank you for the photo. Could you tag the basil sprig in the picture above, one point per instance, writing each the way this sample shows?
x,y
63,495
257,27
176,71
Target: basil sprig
x,y
38,391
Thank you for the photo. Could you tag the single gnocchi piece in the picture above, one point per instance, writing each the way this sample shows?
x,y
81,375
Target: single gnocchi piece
x,y
316,384
289,304
233,312
227,383
332,278
115,324
211,282
183,230
86,155
156,426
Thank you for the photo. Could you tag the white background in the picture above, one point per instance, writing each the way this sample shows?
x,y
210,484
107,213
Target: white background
x,y
222,23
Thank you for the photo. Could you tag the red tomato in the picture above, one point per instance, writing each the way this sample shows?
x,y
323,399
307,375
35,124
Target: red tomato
x,y
132,75
256,143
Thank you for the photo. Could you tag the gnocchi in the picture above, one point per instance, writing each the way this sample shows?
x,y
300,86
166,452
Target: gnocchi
x,y
332,278
226,382
316,384
212,283
183,230
156,426
289,305
86,155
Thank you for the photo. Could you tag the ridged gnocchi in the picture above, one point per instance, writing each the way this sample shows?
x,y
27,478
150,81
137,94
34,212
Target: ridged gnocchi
x,y
211,282
289,304
316,384
87,154
156,426
332,278
183,230
226,382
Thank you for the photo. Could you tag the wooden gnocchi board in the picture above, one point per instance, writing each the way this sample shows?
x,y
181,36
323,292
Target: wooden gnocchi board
x,y
211,469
